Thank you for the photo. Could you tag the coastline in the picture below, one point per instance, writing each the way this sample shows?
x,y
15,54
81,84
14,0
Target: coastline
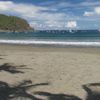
x,y
50,47
65,69
16,31
52,43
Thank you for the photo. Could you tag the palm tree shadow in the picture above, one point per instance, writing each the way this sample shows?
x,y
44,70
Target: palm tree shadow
x,y
19,91
1,58
11,68
93,91
52,96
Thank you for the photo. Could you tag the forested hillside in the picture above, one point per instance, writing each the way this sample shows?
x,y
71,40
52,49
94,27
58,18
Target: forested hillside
x,y
13,23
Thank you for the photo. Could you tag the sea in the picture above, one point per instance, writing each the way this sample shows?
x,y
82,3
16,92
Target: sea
x,y
53,38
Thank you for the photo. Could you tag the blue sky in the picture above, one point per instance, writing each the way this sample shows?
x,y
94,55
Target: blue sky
x,y
55,14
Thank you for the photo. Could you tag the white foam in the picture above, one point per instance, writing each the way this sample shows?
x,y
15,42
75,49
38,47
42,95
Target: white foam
x,y
42,42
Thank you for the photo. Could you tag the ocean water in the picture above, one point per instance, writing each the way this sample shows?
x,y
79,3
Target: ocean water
x,y
61,38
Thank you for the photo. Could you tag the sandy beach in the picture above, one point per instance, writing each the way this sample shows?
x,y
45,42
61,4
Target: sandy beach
x,y
56,70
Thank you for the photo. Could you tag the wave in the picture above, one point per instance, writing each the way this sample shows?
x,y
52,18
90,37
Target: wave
x,y
42,42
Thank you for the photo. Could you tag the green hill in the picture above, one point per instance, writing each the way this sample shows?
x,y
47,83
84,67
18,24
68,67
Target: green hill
x,y
13,24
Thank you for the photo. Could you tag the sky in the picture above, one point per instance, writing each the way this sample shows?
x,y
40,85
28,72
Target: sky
x,y
55,14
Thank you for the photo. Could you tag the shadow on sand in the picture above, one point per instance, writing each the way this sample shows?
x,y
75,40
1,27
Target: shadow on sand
x,y
52,96
93,91
19,91
1,58
11,68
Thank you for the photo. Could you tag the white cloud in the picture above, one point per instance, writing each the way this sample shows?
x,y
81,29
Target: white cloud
x,y
43,16
97,10
33,14
23,9
86,13
71,24
5,5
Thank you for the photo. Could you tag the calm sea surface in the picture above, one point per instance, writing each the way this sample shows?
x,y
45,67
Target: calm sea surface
x,y
53,37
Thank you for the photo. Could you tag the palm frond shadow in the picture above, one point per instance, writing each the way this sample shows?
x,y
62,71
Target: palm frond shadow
x,y
11,68
19,91
1,58
52,96
93,91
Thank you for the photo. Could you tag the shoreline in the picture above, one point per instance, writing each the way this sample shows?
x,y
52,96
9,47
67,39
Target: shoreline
x,y
47,48
52,44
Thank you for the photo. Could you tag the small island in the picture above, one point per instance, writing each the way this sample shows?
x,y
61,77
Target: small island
x,y
14,24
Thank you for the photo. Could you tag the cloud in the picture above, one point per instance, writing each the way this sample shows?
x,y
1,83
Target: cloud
x,y
89,3
23,9
36,15
86,13
52,16
63,4
97,10
71,24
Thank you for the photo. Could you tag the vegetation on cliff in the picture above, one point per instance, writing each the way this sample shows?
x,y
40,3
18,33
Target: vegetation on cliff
x,y
13,24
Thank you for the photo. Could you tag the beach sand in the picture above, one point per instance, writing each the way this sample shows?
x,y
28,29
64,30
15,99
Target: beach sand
x,y
62,70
